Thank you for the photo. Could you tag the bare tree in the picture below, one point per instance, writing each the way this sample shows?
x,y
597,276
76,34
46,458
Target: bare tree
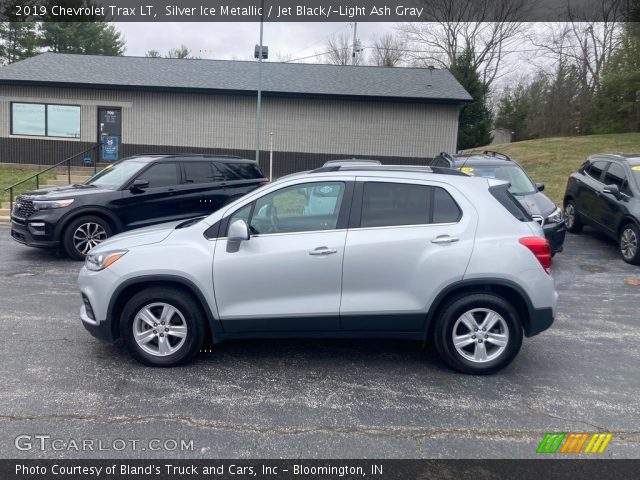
x,y
389,50
587,45
340,51
486,28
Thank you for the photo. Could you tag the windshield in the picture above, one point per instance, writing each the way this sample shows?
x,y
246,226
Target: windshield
x,y
521,184
636,172
116,175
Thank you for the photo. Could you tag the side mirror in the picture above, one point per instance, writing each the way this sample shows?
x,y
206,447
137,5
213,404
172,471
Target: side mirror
x,y
139,185
540,186
238,232
612,190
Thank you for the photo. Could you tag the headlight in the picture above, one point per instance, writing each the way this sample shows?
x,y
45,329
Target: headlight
x,y
47,204
99,261
555,217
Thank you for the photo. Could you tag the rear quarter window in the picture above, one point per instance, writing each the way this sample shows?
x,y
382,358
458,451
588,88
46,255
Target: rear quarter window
x,y
242,171
508,201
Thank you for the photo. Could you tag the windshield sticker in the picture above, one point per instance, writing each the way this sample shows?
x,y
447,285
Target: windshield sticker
x,y
636,168
466,169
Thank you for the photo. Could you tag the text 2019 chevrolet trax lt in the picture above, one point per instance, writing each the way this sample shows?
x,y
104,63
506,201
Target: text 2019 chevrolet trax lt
x,y
342,251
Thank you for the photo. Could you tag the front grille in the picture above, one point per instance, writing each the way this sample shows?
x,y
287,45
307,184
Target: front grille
x,y
23,207
538,219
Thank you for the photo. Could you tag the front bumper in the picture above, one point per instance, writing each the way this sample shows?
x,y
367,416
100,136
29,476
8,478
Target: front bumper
x,y
96,289
22,233
555,233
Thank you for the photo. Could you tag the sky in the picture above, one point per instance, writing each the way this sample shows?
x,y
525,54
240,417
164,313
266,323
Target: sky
x,y
237,40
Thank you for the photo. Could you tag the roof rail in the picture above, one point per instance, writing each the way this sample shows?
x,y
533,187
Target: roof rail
x,y
446,155
389,168
498,155
187,154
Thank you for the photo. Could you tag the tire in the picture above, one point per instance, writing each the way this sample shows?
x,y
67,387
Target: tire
x,y
572,219
162,349
94,228
465,313
629,243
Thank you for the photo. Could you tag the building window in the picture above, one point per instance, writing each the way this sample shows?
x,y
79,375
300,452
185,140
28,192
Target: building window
x,y
45,120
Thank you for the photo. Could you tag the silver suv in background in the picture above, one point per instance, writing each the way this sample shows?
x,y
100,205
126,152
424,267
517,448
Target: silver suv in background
x,y
342,251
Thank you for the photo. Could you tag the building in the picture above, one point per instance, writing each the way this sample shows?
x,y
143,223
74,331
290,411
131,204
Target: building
x,y
500,136
55,105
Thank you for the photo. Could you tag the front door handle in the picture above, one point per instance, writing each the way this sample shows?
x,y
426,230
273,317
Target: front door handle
x,y
442,239
323,251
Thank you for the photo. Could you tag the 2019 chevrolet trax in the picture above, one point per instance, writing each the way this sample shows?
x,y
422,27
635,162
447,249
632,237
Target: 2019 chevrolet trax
x,y
342,251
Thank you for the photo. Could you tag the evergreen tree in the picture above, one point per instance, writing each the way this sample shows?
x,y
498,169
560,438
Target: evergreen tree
x,y
475,118
18,38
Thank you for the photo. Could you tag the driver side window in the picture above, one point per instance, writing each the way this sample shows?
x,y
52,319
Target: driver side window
x,y
299,208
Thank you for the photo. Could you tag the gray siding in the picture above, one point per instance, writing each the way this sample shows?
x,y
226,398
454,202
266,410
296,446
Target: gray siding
x,y
216,121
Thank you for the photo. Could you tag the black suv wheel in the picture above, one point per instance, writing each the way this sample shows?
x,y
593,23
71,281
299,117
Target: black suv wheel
x,y
478,333
84,233
571,218
628,242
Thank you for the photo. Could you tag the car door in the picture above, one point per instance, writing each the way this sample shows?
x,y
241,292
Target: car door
x,y
589,192
406,242
287,276
613,209
203,190
155,203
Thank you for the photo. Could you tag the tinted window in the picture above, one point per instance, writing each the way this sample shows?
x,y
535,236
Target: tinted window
x,y
595,169
508,201
445,209
616,175
242,171
161,175
201,172
388,204
300,208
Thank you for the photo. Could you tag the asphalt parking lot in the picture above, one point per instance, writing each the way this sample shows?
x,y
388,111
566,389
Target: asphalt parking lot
x,y
326,399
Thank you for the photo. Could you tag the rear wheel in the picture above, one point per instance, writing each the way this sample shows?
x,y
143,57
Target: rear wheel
x,y
162,327
478,333
84,233
628,242
572,220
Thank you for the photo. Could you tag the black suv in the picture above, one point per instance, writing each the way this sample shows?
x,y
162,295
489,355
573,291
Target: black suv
x,y
501,167
135,192
605,193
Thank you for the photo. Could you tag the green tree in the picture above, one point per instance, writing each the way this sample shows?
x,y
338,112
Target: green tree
x,y
181,52
514,108
18,38
88,38
153,54
475,118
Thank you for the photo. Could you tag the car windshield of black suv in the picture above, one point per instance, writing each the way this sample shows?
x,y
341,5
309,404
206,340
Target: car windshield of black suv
x,y
521,184
116,175
635,168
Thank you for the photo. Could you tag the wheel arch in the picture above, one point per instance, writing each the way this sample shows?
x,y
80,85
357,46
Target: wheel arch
x,y
103,213
129,288
624,221
510,291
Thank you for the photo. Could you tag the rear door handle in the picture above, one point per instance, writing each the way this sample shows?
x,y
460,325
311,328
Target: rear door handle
x,y
442,239
323,251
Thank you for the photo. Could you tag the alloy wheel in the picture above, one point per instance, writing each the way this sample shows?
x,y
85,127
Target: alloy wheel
x,y
480,335
159,329
87,236
570,215
628,244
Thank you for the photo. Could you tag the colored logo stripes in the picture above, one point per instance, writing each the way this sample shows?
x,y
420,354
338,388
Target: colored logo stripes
x,y
574,442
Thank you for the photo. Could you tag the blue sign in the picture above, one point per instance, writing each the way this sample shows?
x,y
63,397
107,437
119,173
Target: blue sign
x,y
87,160
110,149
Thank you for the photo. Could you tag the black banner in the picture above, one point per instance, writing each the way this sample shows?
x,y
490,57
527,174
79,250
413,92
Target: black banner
x,y
319,10
316,469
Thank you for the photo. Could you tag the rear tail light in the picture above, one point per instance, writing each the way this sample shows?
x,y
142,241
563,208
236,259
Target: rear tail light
x,y
540,248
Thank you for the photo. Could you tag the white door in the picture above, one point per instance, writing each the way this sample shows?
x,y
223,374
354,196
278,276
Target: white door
x,y
288,275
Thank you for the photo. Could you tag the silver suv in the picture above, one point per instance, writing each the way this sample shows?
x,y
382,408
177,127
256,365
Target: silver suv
x,y
341,251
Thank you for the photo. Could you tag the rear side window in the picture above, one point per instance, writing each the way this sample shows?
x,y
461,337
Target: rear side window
x,y
391,204
508,201
242,171
594,170
201,172
161,175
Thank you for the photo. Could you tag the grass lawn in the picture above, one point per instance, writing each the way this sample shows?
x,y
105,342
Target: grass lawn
x,y
9,176
551,160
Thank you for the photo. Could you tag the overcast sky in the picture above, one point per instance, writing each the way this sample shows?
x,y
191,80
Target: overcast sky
x,y
237,40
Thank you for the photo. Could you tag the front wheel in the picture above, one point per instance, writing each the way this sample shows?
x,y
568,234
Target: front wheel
x,y
572,220
478,333
84,233
162,327
628,242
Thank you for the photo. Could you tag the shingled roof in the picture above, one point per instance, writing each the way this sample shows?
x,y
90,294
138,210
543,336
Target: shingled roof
x,y
236,77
